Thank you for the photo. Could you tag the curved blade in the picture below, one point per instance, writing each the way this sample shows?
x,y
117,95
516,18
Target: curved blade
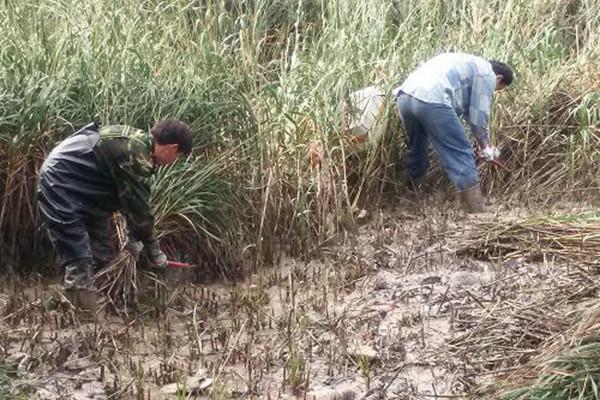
x,y
179,265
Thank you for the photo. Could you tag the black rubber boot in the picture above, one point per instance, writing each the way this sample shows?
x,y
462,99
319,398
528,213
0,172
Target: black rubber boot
x,y
80,290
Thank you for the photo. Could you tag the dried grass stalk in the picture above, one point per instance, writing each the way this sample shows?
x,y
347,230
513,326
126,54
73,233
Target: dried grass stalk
x,y
571,238
567,368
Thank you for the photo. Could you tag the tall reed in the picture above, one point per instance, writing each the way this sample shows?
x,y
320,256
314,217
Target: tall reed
x,y
264,81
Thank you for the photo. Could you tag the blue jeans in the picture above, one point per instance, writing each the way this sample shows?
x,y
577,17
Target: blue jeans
x,y
440,124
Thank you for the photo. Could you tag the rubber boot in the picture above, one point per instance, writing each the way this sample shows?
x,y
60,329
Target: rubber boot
x,y
80,290
84,301
472,200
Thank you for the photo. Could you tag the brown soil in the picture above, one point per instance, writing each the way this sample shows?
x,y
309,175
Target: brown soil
x,y
391,313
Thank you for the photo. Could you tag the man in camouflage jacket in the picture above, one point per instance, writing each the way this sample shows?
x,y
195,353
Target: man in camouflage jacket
x,y
90,175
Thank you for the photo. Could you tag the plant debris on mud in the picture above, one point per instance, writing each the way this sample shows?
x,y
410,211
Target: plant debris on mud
x,y
392,312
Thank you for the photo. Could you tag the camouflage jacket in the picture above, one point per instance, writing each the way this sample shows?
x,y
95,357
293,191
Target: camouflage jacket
x,y
95,172
126,153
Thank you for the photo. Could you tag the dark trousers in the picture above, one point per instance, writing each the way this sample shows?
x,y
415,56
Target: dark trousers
x,y
83,245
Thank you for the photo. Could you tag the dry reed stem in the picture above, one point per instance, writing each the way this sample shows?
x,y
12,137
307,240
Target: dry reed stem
x,y
574,239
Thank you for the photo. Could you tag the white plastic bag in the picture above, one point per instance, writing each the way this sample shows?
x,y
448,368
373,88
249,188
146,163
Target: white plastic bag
x,y
365,117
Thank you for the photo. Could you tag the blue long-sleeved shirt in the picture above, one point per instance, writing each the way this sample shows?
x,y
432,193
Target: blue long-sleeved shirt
x,y
462,81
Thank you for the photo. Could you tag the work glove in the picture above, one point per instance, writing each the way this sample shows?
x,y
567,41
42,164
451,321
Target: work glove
x,y
489,153
134,247
155,254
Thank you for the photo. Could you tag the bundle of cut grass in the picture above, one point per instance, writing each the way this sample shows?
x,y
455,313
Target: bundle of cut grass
x,y
119,282
125,281
127,287
569,237
568,368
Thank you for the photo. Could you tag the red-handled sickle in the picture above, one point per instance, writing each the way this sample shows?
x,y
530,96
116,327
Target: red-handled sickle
x,y
179,265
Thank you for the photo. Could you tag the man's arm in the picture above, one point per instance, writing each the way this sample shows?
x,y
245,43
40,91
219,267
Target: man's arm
x,y
480,107
134,192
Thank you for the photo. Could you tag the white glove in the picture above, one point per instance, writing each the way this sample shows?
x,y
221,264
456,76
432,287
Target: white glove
x,y
490,153
134,247
155,254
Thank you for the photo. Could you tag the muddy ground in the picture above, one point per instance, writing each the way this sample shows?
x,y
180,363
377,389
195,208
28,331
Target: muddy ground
x,y
390,312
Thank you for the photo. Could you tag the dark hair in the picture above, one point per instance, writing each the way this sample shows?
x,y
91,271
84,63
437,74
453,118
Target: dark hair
x,y
173,131
503,70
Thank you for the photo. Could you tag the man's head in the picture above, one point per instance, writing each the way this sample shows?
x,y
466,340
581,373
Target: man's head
x,y
172,139
504,74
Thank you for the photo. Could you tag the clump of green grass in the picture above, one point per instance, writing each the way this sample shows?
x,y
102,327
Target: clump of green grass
x,y
197,211
574,374
9,388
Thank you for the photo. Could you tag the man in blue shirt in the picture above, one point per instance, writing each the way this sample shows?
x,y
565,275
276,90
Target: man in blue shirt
x,y
430,102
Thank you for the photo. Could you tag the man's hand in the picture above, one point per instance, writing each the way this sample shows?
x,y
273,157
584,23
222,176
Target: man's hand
x,y
489,153
134,247
156,256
